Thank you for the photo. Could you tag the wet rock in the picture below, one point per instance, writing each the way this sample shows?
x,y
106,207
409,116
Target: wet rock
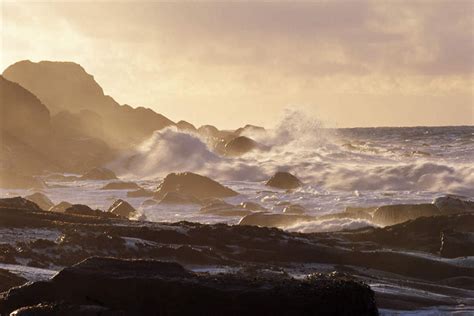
x,y
239,146
99,174
84,210
186,126
452,204
121,185
252,206
41,200
352,213
222,208
178,198
168,288
457,244
140,193
284,180
122,208
189,183
274,220
394,214
9,280
19,203
61,207
294,209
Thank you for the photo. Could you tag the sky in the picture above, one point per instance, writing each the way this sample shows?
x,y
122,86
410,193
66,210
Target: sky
x,y
345,63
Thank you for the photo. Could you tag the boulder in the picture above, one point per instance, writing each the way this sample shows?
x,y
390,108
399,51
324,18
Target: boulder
x,y
61,207
452,204
394,214
166,288
121,185
99,174
9,280
41,200
456,244
122,208
186,126
264,219
294,209
19,203
140,193
239,146
284,180
179,198
189,183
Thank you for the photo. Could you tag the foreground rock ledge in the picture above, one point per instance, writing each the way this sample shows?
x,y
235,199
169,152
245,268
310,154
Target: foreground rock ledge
x,y
144,287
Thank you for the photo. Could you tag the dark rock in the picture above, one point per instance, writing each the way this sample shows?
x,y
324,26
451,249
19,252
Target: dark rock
x,y
41,200
121,185
394,214
294,209
457,244
19,203
179,198
140,193
192,184
239,146
274,220
61,207
84,210
167,288
122,208
452,204
9,280
99,174
284,180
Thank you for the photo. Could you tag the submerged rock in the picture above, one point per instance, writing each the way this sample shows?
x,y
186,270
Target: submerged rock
x,y
167,288
122,208
19,203
457,244
99,174
394,214
284,180
41,200
452,204
61,207
192,184
121,185
178,198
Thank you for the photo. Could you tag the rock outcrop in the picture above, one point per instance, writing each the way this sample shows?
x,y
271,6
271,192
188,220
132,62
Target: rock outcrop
x,y
167,288
284,180
394,214
452,204
19,203
456,244
122,208
9,280
264,219
99,174
60,207
41,200
189,183
179,198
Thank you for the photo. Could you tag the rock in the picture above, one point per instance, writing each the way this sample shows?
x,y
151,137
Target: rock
x,y
41,200
140,193
358,210
178,198
186,126
457,244
9,280
84,210
239,146
99,174
149,202
353,214
222,208
274,220
394,214
169,289
284,180
122,208
452,204
189,183
61,207
208,131
19,203
294,209
121,185
249,129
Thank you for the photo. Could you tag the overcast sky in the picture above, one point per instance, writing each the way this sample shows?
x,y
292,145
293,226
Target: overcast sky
x,y
349,63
